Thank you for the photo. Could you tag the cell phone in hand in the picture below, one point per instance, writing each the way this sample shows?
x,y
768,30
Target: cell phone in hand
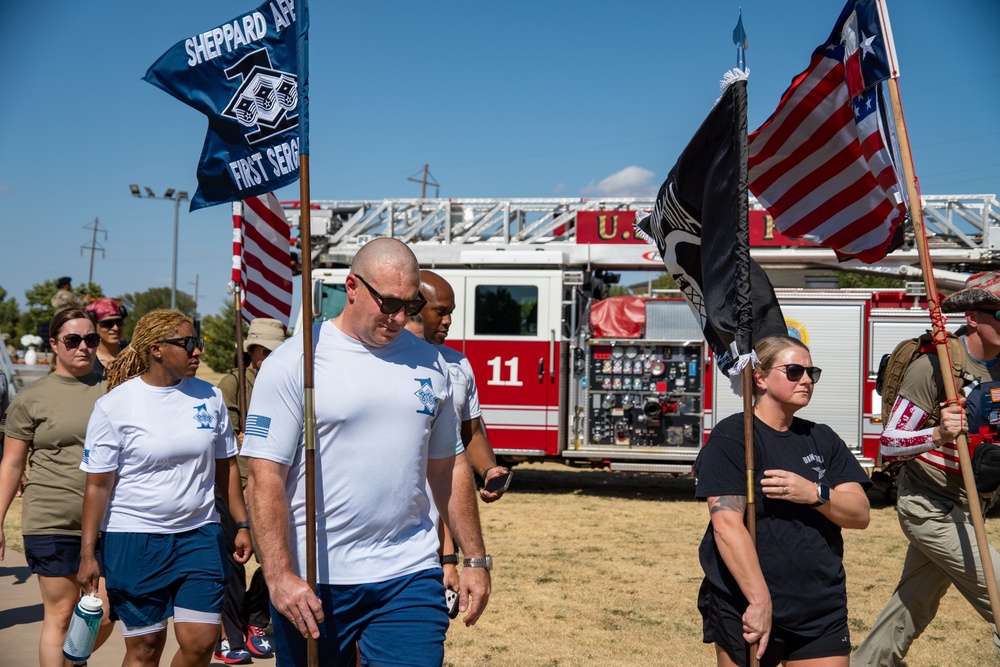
x,y
451,600
498,484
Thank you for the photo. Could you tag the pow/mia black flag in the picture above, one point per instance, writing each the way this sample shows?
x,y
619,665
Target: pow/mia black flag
x,y
700,225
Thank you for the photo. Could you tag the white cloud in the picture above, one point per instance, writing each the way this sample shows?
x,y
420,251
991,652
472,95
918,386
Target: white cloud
x,y
632,181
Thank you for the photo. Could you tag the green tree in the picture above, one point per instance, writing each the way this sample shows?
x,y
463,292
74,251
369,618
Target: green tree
x,y
220,338
862,281
38,299
155,298
10,314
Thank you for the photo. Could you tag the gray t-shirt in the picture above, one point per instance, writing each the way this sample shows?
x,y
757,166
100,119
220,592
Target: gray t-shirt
x,y
51,415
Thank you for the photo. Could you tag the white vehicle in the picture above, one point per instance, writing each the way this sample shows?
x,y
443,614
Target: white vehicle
x,y
566,374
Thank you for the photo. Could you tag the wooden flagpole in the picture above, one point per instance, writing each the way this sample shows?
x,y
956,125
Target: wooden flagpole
x,y
305,237
941,343
750,518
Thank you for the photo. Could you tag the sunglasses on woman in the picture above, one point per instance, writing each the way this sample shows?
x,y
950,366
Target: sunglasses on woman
x,y
794,372
390,305
72,341
189,343
112,323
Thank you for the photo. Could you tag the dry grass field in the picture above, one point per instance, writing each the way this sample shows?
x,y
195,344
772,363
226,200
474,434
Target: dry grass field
x,y
601,569
598,569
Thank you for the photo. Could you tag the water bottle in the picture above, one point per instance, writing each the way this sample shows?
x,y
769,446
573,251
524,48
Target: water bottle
x,y
82,630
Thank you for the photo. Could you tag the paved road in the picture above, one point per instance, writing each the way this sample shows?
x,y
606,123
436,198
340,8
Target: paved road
x,y
21,622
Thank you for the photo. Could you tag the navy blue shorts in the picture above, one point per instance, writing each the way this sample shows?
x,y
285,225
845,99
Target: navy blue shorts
x,y
148,575
722,624
54,555
397,623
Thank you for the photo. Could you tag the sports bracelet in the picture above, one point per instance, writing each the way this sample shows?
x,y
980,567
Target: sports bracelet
x,y
487,472
240,525
449,559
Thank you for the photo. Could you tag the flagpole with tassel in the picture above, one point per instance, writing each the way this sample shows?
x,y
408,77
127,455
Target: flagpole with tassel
x,y
750,518
308,383
939,332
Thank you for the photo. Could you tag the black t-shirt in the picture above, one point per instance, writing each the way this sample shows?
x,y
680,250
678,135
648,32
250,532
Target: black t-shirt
x,y
800,550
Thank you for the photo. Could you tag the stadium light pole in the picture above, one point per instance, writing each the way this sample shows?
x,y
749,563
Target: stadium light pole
x,y
177,198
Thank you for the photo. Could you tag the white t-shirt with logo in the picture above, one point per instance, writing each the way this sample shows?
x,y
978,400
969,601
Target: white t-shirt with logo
x,y
380,414
463,384
163,442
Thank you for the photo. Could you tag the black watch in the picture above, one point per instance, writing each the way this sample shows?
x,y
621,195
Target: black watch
x,y
822,494
449,559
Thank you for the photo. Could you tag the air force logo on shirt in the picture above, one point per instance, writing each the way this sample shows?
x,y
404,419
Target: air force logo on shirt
x,y
426,395
202,417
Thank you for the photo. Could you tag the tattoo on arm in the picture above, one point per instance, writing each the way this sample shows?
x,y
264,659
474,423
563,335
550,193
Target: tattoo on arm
x,y
728,503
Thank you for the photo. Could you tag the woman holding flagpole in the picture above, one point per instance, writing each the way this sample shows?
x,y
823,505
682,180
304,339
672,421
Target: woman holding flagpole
x,y
788,596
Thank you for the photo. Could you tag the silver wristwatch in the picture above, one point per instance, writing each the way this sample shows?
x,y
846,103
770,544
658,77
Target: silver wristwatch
x,y
485,562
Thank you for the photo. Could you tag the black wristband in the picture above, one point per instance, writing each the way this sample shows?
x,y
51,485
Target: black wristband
x,y
240,525
449,559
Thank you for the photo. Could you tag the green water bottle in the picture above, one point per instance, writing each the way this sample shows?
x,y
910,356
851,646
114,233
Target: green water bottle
x,y
82,632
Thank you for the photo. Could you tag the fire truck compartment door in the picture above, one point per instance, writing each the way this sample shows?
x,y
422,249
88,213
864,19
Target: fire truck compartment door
x,y
834,333
509,323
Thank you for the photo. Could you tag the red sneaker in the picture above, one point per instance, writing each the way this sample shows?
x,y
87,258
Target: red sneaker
x,y
259,643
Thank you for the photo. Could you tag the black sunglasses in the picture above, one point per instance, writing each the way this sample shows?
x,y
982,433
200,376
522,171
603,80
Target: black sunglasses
x,y
390,305
111,323
794,372
189,343
72,341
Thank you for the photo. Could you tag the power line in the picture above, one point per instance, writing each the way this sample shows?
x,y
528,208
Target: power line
x,y
427,179
94,246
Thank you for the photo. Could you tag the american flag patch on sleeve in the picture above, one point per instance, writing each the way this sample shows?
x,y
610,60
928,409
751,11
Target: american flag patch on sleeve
x,y
257,425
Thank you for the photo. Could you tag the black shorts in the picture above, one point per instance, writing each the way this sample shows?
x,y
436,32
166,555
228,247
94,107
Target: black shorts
x,y
722,624
54,555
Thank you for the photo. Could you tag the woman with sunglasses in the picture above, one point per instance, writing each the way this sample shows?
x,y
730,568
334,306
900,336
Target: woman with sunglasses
x,y
45,426
158,445
788,595
110,319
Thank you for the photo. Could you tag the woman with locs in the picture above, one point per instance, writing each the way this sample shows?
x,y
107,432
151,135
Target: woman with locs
x,y
158,445
788,593
45,426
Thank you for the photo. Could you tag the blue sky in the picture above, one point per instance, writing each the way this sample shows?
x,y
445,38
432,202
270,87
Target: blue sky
x,y
506,99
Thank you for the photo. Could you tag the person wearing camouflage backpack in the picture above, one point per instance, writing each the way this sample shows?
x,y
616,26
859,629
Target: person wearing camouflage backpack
x,y
931,505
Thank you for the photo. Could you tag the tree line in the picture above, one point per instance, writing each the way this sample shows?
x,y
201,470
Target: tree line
x,y
218,330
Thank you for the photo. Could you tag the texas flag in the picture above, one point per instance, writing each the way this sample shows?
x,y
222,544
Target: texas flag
x,y
866,58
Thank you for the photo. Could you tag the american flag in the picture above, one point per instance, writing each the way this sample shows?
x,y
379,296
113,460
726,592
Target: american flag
x,y
257,425
261,250
822,164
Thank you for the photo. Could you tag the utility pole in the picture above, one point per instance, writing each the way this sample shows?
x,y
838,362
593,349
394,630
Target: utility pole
x,y
428,178
94,245
195,296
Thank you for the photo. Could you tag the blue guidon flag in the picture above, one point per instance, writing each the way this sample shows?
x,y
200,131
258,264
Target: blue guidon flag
x,y
243,75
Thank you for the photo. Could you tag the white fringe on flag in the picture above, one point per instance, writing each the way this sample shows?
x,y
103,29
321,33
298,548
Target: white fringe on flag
x,y
731,77
736,371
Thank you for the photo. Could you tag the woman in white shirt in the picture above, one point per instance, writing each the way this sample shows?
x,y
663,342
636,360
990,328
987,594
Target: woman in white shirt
x,y
158,444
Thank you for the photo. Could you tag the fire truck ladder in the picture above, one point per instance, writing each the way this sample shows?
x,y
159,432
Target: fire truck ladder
x,y
963,230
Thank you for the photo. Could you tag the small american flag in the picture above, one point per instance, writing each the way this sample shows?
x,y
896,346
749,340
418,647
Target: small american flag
x,y
821,164
257,425
261,258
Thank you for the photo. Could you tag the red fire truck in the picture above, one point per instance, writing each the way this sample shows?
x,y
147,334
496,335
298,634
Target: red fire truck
x,y
566,373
